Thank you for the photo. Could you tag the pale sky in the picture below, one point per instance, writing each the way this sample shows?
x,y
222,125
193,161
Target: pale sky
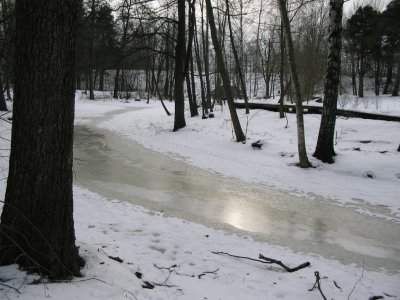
x,y
351,5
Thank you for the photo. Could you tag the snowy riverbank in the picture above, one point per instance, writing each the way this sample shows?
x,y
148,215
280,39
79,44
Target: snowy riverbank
x,y
148,243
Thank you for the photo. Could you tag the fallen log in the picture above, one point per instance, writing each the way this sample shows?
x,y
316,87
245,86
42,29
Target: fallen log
x,y
318,110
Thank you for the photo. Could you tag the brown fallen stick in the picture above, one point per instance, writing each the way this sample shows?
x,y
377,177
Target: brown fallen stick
x,y
278,262
266,260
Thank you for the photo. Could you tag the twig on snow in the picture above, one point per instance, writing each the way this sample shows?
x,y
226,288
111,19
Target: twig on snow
x,y
317,284
278,262
266,260
116,258
208,272
10,287
335,283
359,279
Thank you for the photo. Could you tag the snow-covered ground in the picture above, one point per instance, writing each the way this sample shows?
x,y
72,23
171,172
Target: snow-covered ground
x,y
175,255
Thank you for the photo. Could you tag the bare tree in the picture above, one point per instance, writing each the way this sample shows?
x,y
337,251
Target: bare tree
x,y
325,146
180,54
304,163
240,137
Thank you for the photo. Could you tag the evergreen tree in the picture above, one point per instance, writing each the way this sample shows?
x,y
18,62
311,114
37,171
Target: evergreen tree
x,y
363,37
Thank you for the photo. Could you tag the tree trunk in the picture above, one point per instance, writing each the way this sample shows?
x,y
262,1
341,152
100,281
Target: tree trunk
x,y
3,104
91,50
240,137
116,83
389,73
205,42
377,75
78,81
281,71
8,89
101,80
361,73
325,146
180,52
190,84
237,62
397,82
301,144
353,75
200,69
37,226
193,109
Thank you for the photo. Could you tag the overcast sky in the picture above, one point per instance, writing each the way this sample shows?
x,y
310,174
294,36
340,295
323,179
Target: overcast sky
x,y
351,5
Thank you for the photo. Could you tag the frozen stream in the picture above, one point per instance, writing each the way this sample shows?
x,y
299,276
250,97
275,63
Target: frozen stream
x,y
124,170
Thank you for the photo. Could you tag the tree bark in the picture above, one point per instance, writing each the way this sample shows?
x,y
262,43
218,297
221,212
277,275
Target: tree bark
x,y
325,145
180,52
240,137
301,144
37,226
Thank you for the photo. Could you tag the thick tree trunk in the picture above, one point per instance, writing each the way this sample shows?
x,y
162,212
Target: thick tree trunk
x,y
325,146
180,52
301,144
37,226
240,137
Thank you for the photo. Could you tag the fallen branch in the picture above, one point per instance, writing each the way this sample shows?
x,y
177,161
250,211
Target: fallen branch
x,y
278,262
317,284
116,258
208,272
266,260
